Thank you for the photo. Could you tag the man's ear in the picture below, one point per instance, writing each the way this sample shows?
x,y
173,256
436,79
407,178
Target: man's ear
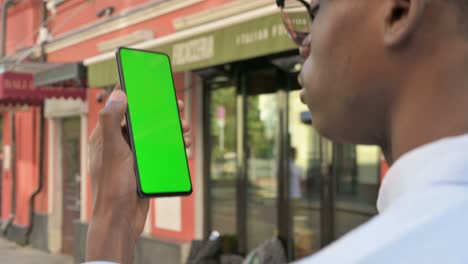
x,y
402,18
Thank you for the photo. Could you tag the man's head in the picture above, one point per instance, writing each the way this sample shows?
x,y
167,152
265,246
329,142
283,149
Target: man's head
x,y
368,58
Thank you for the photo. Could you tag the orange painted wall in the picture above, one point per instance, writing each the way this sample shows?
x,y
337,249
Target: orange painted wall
x,y
23,21
26,158
27,170
22,28
73,14
160,26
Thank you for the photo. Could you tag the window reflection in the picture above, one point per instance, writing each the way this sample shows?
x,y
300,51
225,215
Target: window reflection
x,y
315,166
223,172
357,170
305,155
262,144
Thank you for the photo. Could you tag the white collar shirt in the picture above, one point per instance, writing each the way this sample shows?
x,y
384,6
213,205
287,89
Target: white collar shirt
x,y
423,212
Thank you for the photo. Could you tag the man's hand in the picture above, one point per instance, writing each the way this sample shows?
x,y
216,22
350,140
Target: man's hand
x,y
118,215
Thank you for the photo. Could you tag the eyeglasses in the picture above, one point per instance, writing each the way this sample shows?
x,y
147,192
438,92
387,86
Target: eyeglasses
x,y
298,16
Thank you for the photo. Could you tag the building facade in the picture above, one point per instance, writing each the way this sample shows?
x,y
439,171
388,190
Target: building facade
x,y
258,167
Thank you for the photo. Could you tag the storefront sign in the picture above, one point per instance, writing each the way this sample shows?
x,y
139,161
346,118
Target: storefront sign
x,y
19,89
192,51
17,85
246,40
249,39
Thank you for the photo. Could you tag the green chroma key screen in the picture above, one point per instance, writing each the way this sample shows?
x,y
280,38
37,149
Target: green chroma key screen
x,y
154,123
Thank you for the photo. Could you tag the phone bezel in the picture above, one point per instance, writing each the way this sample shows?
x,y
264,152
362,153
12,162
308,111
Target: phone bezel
x,y
140,192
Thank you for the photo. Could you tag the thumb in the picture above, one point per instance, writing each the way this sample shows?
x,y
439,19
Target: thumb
x,y
112,114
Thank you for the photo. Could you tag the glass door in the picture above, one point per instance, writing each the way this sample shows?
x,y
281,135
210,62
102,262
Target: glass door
x,y
357,173
223,180
269,172
304,180
242,189
262,168
309,159
332,187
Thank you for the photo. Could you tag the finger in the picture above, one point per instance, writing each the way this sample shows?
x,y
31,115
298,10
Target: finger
x,y
185,127
110,117
181,105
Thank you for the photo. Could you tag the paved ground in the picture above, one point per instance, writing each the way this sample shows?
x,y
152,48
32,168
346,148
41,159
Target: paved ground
x,y
12,253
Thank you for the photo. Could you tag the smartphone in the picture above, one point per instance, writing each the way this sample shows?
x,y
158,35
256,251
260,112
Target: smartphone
x,y
153,123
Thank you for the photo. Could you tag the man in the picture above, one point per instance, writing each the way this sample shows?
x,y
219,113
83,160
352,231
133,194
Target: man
x,y
386,72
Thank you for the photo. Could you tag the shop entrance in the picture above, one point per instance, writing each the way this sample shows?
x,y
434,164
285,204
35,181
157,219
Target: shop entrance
x,y
270,174
71,180
262,150
244,150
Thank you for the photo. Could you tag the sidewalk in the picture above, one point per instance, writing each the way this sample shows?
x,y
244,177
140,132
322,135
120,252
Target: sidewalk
x,y
12,253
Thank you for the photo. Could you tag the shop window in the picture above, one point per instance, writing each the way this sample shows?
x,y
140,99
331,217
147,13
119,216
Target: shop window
x,y
223,171
357,172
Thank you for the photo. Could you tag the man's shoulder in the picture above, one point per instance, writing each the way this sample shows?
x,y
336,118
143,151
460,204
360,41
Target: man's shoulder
x,y
427,229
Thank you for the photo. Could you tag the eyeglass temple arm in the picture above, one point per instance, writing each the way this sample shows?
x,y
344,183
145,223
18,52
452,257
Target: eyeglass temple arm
x,y
305,3
280,3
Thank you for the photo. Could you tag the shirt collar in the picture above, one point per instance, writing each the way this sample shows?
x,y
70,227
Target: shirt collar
x,y
442,162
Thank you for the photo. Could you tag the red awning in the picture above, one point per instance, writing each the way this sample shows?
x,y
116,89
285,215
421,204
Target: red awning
x,y
19,89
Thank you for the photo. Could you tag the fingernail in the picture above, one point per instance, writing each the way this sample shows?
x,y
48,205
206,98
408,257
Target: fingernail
x,y
116,96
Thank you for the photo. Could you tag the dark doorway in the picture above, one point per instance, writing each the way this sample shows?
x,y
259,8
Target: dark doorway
x,y
71,180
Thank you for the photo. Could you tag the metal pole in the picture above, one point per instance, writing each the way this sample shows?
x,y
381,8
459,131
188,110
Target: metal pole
x,y
41,146
242,158
41,176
